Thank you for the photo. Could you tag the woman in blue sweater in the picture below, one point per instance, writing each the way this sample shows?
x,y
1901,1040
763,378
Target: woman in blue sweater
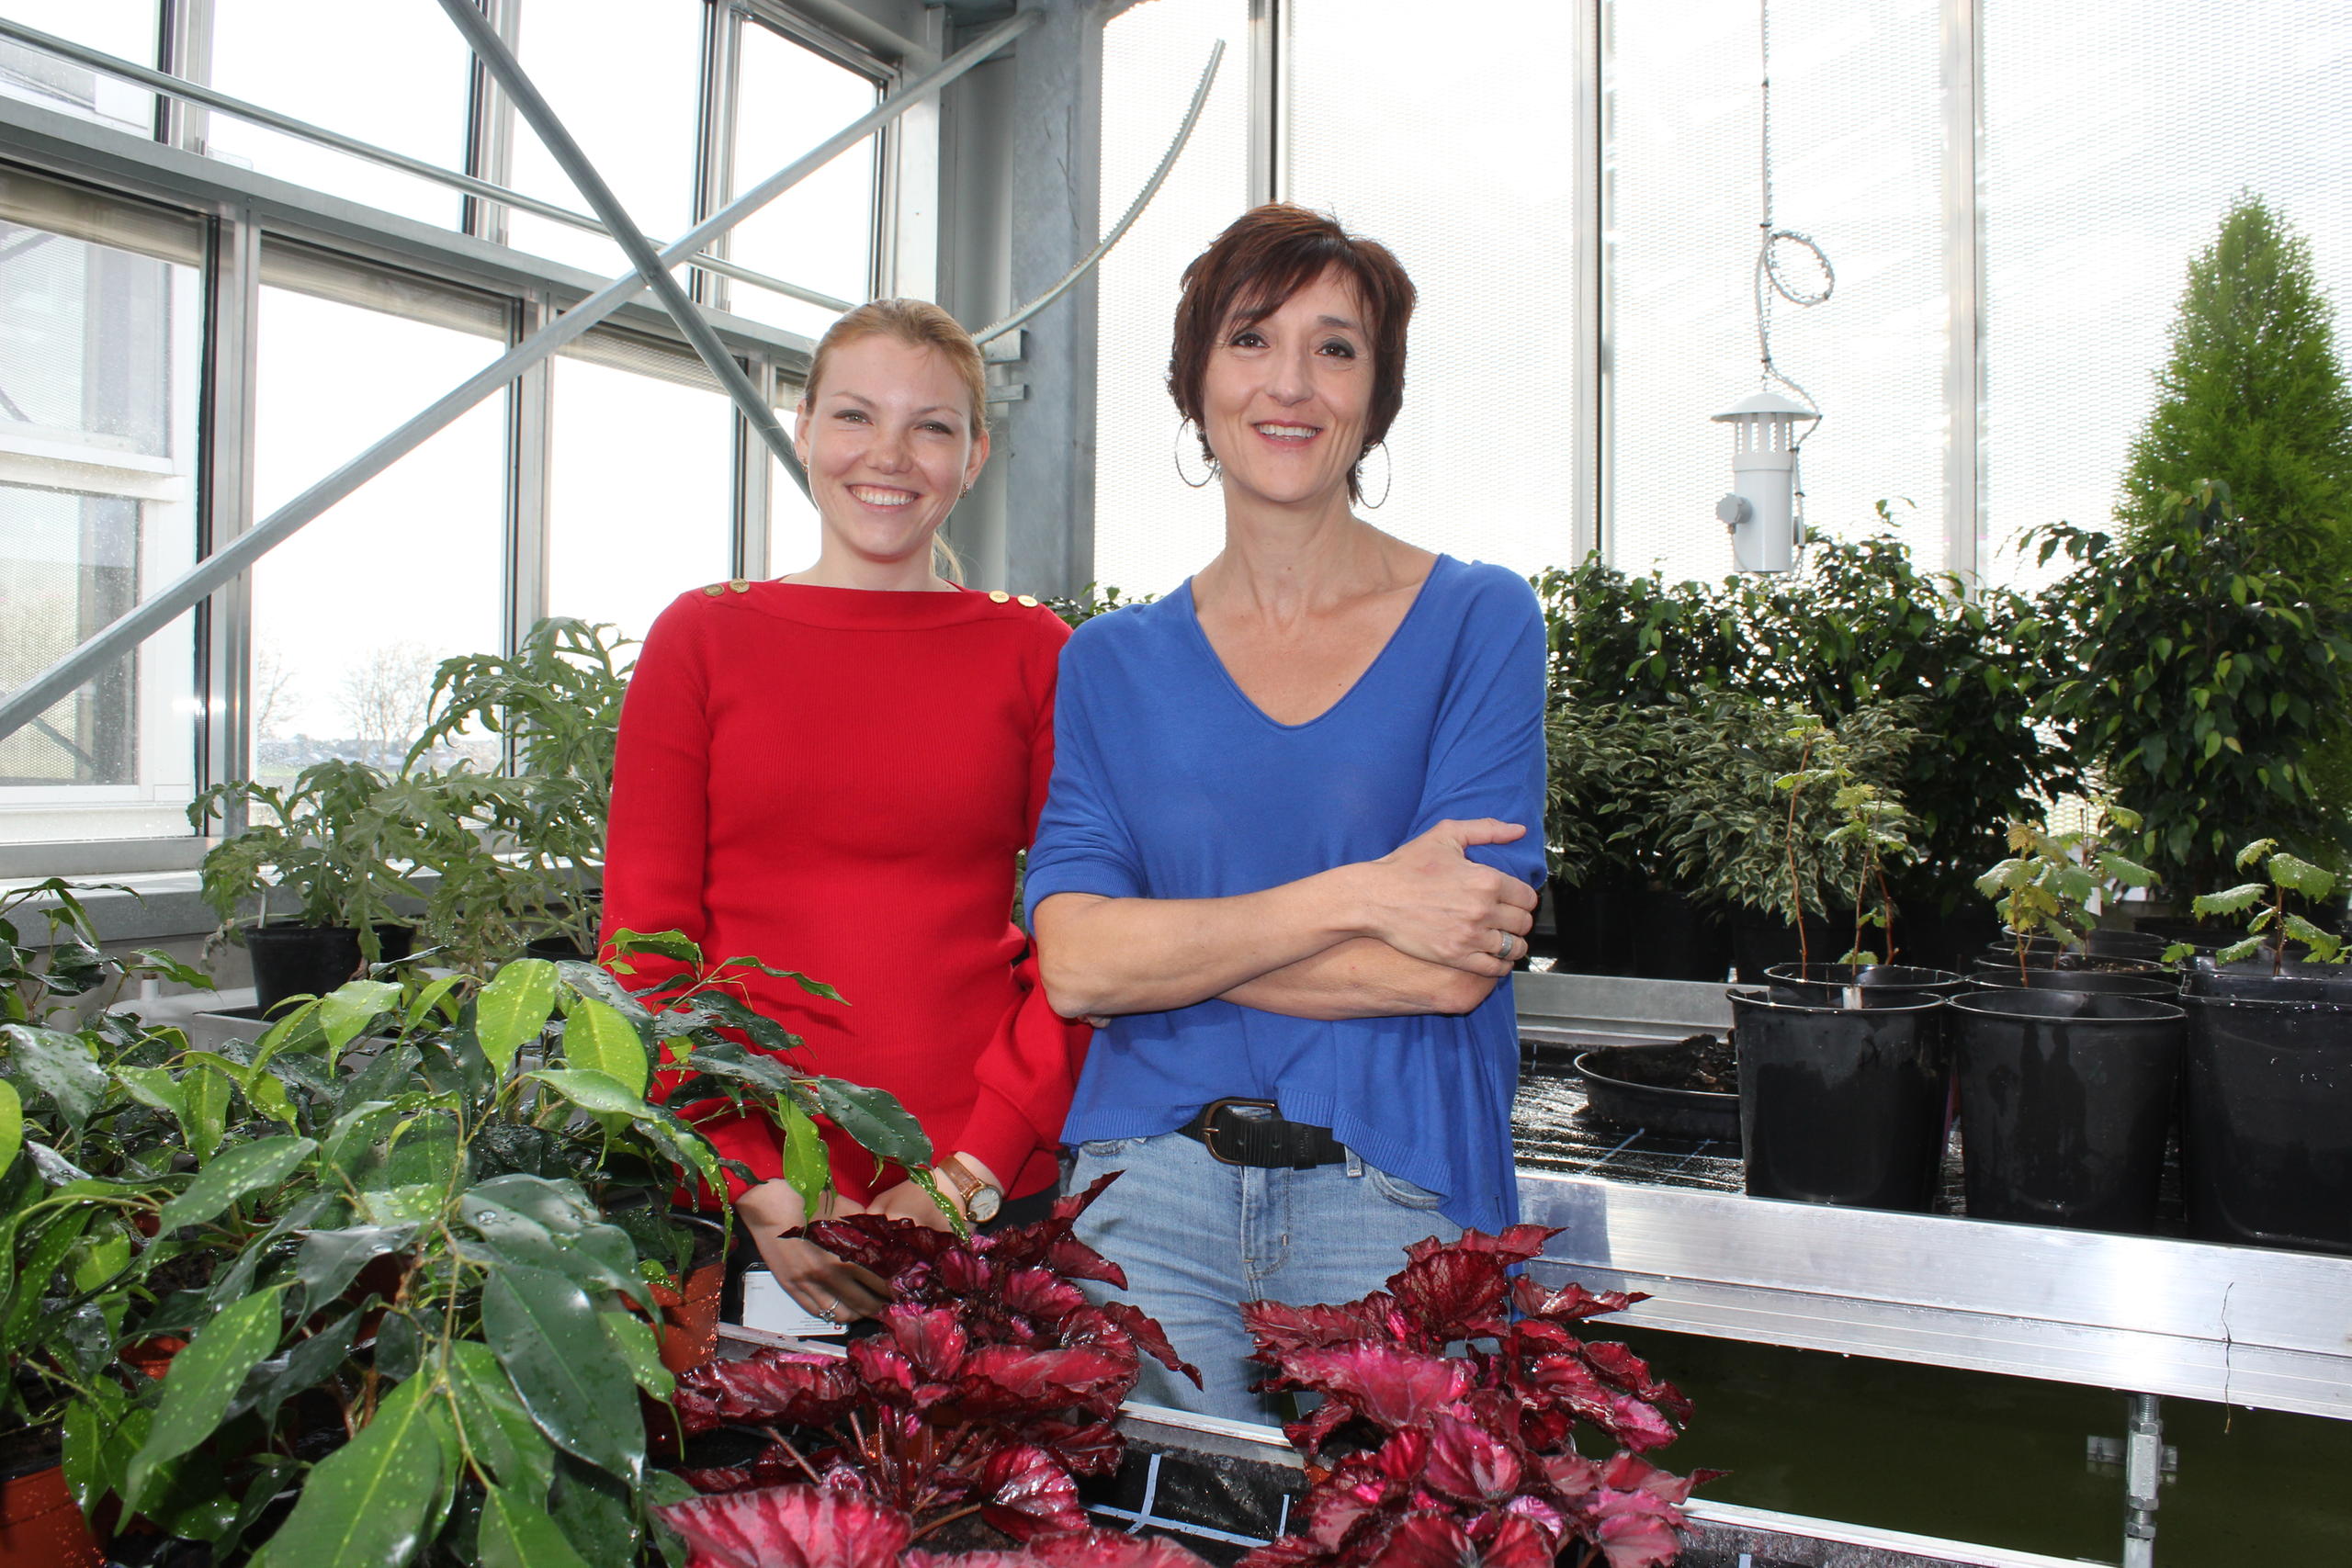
x,y
1292,839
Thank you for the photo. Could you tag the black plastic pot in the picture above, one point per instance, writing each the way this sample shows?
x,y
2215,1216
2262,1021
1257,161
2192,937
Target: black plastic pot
x,y
1841,1106
2134,982
2267,1133
2106,942
2064,1098
1881,985
1612,1095
292,960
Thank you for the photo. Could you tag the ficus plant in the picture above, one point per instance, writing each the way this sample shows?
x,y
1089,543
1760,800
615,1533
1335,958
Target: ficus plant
x,y
2052,881
993,1384
1451,1406
2269,922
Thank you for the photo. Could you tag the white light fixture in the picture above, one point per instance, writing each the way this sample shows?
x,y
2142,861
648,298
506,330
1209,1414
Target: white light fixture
x,y
1760,512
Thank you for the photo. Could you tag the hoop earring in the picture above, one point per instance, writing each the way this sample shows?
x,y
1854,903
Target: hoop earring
x,y
1189,480
1387,476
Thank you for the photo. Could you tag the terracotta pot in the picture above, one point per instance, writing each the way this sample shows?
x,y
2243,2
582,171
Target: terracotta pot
x,y
689,1328
152,1357
41,1527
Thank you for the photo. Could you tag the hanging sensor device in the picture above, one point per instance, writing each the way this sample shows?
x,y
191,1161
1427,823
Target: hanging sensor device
x,y
1765,511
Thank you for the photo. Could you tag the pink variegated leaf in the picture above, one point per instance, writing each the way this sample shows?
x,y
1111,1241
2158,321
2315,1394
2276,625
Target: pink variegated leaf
x,y
931,1339
1095,1549
1393,1388
1041,1295
1030,1494
1091,1448
787,1526
765,1389
1513,1244
1450,1294
1279,1328
1571,1302
1468,1465
1004,1379
1150,1338
1636,1530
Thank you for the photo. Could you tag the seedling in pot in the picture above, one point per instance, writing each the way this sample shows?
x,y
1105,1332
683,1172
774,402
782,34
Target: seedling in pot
x,y
1872,833
2052,884
2285,875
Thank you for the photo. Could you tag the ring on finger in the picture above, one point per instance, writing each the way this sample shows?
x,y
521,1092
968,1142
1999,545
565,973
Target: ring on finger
x,y
830,1312
1503,952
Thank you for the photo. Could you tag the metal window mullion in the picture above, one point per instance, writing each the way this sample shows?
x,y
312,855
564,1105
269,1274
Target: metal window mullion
x,y
228,389
490,131
530,429
1604,344
184,48
753,489
1269,178
1584,191
722,38
1963,253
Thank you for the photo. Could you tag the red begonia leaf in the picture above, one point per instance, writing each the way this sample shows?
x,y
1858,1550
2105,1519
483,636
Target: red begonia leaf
x,y
1392,1387
1070,1206
1095,1549
965,1275
930,1337
1636,1425
886,1246
1571,1302
1041,1295
1452,1294
1636,1530
1468,1465
1548,1521
1290,1551
883,1370
1030,1494
717,1479
1514,1244
1404,1456
764,1389
1000,1380
1571,1474
1150,1338
1306,1433
1090,1448
1544,1430
1510,1540
1427,1541
788,1527
1631,1472
1073,1259
1279,1328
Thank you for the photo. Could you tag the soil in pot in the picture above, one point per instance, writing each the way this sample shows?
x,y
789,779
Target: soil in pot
x,y
1838,1105
2065,1097
2267,1134
1687,1088
291,960
1871,985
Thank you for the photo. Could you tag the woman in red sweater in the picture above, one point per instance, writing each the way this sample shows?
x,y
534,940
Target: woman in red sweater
x,y
834,772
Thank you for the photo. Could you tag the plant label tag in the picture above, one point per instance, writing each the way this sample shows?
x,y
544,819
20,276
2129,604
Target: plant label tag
x,y
1854,997
767,1306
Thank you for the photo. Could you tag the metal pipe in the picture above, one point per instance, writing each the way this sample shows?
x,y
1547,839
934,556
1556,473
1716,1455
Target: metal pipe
x,y
151,614
1134,210
480,189
2143,1458
491,50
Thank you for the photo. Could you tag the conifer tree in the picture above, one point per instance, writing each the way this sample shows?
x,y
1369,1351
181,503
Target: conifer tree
x,y
2253,395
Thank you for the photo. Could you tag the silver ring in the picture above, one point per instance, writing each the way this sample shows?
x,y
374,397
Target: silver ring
x,y
1503,952
827,1314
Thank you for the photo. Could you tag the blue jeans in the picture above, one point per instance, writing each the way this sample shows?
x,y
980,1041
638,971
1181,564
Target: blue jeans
x,y
1197,1237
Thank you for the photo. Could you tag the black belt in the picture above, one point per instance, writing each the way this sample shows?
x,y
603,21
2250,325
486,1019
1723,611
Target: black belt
x,y
1267,1141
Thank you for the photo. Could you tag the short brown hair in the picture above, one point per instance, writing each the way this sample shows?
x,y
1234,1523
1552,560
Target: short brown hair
x,y
918,323
1268,255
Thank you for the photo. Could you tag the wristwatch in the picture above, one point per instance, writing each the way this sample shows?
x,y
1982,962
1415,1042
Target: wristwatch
x,y
980,1199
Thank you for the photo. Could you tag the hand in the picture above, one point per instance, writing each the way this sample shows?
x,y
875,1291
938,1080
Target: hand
x,y
1430,900
909,1201
821,1282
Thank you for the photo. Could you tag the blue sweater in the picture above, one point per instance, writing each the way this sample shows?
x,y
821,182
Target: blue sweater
x,y
1169,783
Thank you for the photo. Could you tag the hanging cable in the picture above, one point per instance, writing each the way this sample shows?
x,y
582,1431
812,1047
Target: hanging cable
x,y
1771,279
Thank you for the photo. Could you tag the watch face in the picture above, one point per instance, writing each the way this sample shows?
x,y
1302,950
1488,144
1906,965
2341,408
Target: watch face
x,y
982,1204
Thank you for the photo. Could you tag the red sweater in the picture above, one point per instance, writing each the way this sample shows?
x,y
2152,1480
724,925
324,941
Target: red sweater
x,y
837,781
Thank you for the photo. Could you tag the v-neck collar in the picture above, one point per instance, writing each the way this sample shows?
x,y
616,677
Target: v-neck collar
x,y
1216,661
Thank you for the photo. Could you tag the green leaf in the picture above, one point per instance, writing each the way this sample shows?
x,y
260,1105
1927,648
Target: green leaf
x,y
12,1124
597,1037
345,1012
513,1009
155,1088
103,1432
330,1260
62,1067
207,1096
2234,901
268,1097
2322,942
638,1346
498,1430
666,944
2131,873
433,995
2299,875
592,1092
876,1120
544,1331
366,1504
203,1379
516,1532
806,1164
248,1168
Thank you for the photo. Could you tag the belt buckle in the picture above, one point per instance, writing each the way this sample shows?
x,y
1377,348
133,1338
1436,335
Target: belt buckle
x,y
1209,1125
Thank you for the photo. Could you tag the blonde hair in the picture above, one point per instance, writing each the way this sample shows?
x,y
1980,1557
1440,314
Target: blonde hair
x,y
918,323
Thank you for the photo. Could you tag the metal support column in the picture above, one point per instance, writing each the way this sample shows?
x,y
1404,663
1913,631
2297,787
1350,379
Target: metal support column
x,y
1584,149
225,472
754,481
1269,103
722,34
2143,1458
1963,122
183,49
490,133
529,429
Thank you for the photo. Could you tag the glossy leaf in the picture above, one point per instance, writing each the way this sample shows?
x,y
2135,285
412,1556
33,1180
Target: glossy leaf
x,y
12,1124
593,1090
544,1331
597,1037
517,1533
807,1166
204,1379
329,1260
638,1348
366,1505
789,1527
1030,1494
62,1067
345,1012
498,1430
876,1120
513,1009
248,1168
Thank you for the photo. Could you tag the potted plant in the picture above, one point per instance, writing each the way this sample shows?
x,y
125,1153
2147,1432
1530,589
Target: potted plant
x,y
334,845
1450,1405
2266,1135
2048,893
555,703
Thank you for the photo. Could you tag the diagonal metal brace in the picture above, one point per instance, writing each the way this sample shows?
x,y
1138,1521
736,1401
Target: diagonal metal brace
x,y
500,60
185,591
